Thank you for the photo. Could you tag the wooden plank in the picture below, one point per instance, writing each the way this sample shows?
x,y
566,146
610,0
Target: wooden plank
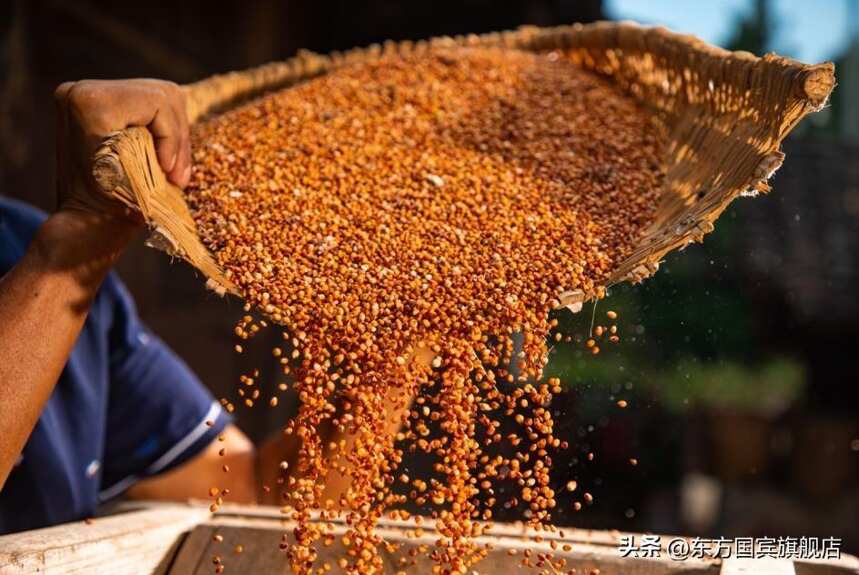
x,y
129,543
599,544
610,537
844,565
763,566
176,539
259,531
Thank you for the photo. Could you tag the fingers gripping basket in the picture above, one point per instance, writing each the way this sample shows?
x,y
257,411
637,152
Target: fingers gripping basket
x,y
726,115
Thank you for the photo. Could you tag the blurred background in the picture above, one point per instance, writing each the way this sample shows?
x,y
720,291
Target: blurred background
x,y
737,357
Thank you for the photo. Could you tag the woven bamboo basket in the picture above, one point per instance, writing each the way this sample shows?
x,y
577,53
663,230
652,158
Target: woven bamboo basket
x,y
726,114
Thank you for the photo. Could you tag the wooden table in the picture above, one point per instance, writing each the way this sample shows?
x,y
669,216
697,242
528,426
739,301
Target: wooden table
x,y
176,539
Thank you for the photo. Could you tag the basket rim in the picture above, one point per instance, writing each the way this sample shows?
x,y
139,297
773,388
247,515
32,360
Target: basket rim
x,y
221,92
781,90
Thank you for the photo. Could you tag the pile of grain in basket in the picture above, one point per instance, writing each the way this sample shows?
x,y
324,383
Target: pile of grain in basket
x,y
403,219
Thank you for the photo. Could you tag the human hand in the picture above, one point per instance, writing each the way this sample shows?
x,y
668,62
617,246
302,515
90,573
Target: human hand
x,y
90,110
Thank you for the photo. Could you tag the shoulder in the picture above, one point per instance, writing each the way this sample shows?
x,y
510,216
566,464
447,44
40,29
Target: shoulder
x,y
19,222
20,219
18,225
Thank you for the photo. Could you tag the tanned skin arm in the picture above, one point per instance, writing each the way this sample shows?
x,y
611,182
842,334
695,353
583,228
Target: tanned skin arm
x,y
45,298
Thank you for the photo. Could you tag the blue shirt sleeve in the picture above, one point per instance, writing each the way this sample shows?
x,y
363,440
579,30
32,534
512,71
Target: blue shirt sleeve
x,y
159,414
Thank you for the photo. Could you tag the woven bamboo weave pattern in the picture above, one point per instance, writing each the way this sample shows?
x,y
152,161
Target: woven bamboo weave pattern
x,y
726,114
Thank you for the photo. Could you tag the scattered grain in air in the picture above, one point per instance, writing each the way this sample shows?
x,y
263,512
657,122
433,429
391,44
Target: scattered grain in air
x,y
571,485
214,491
611,314
226,468
633,461
238,549
401,171
209,422
273,401
218,538
588,498
621,403
238,348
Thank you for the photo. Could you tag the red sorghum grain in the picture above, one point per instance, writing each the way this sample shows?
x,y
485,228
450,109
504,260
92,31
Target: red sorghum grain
x,y
403,219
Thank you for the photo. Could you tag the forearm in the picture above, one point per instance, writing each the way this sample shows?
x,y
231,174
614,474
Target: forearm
x,y
233,469
227,465
44,300
230,467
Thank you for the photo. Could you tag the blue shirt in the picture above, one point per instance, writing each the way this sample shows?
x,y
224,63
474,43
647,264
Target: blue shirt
x,y
124,408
